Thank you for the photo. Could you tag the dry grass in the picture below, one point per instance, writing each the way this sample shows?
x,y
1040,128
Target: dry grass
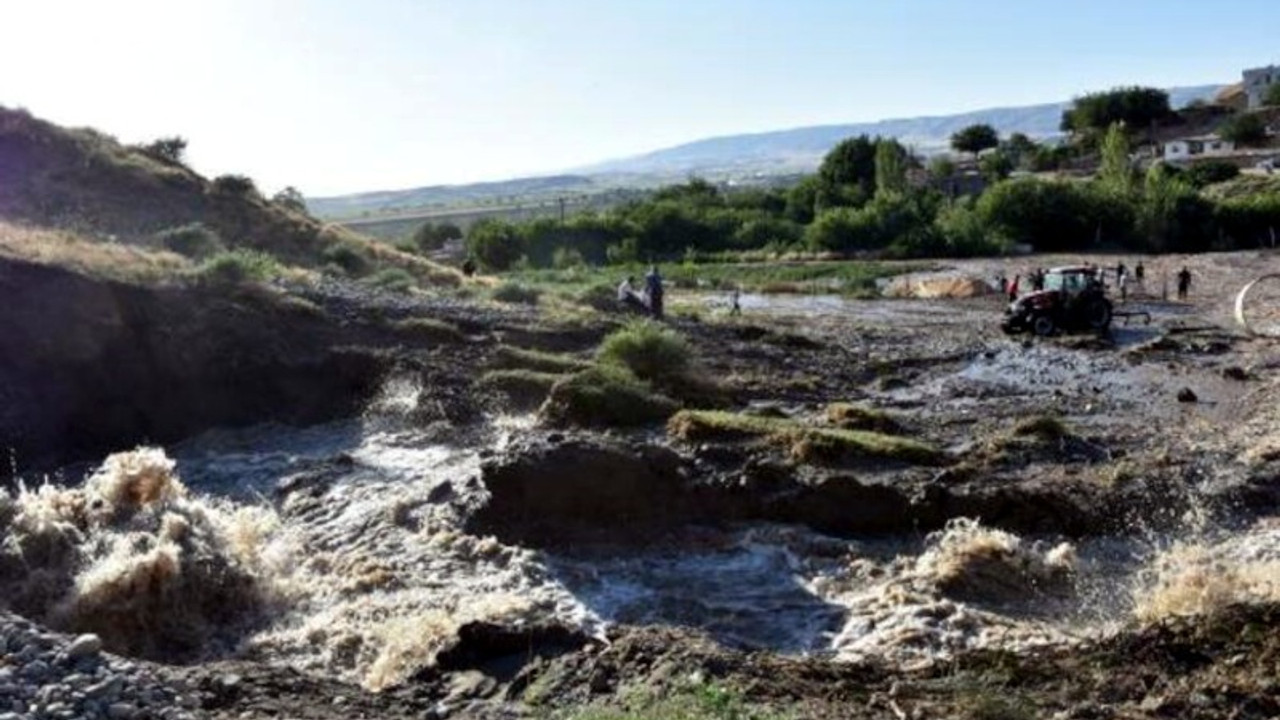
x,y
805,443
857,417
96,258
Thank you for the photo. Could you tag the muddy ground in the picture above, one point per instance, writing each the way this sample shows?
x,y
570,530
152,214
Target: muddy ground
x,y
1165,428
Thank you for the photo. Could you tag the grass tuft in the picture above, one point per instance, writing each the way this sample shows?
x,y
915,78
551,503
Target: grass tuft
x,y
508,357
235,267
806,444
857,417
651,350
605,396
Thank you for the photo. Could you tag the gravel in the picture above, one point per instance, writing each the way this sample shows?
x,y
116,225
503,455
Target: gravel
x,y
46,675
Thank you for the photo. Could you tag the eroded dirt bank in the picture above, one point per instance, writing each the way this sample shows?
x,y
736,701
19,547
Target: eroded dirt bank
x,y
1082,538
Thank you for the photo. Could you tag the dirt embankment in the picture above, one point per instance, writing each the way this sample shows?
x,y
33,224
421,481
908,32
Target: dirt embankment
x,y
89,366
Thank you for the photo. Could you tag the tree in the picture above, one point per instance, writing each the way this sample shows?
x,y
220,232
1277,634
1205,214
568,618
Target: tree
x,y
1244,129
891,167
1115,173
431,236
847,174
168,149
496,245
941,167
1271,98
1136,107
1020,149
996,166
291,198
974,139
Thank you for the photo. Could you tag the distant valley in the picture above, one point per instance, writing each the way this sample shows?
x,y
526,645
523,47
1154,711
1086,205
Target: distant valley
x,y
742,158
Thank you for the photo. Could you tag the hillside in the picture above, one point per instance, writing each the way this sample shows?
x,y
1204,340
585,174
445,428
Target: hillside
x,y
777,153
91,196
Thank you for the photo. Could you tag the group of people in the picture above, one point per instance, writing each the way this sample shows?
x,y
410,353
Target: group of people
x,y
647,300
1124,279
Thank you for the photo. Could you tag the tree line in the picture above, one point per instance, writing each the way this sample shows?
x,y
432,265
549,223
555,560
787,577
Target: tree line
x,y
873,196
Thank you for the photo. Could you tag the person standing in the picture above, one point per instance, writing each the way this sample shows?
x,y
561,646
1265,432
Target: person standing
x,y
1184,282
735,300
1013,288
653,290
1122,282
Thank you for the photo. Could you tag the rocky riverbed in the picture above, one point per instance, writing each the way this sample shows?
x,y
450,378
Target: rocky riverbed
x,y
379,534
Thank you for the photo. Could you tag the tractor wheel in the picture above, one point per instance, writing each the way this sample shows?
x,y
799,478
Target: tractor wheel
x,y
1099,315
1042,325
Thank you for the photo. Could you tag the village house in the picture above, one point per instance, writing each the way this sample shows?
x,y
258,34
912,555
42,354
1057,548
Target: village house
x,y
1199,146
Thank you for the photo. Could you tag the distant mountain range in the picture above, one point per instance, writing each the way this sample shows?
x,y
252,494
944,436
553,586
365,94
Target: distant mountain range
x,y
729,157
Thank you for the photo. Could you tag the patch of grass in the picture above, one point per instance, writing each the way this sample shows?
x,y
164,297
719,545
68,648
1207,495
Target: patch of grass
x,y
516,294
849,277
857,417
525,389
651,350
805,443
194,240
351,259
393,279
234,267
508,357
698,702
998,704
1042,427
429,329
605,396
108,260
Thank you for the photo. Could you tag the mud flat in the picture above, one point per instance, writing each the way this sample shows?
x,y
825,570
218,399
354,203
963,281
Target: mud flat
x,y
880,508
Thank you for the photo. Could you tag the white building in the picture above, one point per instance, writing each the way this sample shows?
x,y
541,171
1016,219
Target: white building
x,y
1257,81
1190,148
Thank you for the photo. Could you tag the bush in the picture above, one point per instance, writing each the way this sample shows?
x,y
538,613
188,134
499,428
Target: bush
x,y
494,244
168,150
565,258
351,259
650,350
194,240
393,279
516,294
1214,171
234,267
605,396
1244,129
234,185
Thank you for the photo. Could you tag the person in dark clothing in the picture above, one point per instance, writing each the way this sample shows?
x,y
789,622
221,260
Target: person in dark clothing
x,y
653,291
735,307
1120,270
1184,282
1139,272
1037,280
1013,288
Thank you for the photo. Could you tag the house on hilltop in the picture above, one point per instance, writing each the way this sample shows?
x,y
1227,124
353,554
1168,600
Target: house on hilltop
x,y
1257,81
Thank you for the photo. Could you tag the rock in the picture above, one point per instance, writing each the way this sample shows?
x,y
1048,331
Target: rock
x,y
1187,395
121,711
1235,372
83,646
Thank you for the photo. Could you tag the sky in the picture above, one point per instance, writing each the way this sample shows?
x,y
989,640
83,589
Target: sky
x,y
339,97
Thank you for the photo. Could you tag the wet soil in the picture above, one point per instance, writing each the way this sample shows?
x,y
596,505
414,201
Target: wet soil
x,y
1135,456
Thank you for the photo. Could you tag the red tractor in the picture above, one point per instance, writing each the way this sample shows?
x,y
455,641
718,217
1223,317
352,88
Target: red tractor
x,y
1073,300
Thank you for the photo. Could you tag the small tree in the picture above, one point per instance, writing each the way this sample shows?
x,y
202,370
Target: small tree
x,y
292,199
234,185
996,166
891,167
1244,129
433,237
1115,172
941,167
974,139
168,149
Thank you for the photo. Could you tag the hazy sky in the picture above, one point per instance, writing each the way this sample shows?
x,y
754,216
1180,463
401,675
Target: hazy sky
x,y
337,97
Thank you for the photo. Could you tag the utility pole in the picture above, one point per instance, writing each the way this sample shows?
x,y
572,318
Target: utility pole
x,y
562,201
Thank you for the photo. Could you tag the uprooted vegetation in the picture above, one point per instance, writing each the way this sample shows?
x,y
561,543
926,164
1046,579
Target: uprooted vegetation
x,y
805,443
133,557
605,396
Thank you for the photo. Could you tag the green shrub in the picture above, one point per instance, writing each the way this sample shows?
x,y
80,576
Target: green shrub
x,y
233,267
194,240
1213,171
601,296
605,396
564,258
516,294
351,259
393,279
648,349
234,185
